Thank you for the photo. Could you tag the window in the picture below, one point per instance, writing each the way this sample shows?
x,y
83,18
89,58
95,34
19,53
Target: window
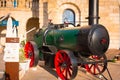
x,y
15,3
68,16
8,3
3,3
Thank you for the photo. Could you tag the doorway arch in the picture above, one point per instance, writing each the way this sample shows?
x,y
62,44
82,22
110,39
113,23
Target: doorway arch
x,y
68,16
72,7
32,22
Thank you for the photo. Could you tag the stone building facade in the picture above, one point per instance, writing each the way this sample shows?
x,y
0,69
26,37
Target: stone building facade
x,y
37,13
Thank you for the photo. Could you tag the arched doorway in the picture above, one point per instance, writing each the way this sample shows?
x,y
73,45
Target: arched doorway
x,y
68,16
32,22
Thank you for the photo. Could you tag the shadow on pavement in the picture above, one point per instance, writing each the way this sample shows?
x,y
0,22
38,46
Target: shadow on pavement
x,y
50,70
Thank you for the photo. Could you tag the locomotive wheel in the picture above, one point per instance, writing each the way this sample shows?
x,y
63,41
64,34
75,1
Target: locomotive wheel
x,y
32,53
97,68
65,65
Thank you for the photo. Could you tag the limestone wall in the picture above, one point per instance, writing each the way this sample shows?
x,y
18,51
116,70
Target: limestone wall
x,y
110,18
109,12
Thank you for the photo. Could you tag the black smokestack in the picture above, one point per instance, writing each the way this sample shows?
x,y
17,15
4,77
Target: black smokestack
x,y
93,12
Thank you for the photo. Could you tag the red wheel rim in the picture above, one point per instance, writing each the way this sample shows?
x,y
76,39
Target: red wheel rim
x,y
96,68
63,65
29,53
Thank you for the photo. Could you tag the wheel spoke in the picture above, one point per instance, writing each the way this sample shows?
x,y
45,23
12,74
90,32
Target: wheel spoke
x,y
87,67
64,56
69,72
66,75
91,66
94,69
68,61
60,57
29,52
63,66
70,67
63,70
59,60
97,68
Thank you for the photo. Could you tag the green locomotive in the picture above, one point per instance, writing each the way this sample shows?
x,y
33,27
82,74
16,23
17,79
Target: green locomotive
x,y
65,48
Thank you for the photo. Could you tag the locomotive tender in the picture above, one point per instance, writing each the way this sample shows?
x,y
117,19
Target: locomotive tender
x,y
66,48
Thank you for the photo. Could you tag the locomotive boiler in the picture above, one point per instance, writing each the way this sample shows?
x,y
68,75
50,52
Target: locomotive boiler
x,y
65,48
93,40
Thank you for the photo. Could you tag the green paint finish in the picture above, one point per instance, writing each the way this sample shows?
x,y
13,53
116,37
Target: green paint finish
x,y
38,38
63,38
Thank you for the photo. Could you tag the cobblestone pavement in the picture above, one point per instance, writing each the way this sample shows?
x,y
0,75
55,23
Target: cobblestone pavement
x,y
44,73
